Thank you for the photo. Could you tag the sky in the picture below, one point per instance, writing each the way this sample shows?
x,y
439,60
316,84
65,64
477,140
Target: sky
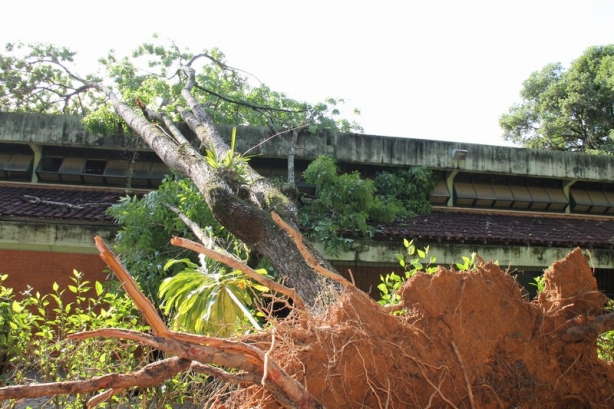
x,y
444,70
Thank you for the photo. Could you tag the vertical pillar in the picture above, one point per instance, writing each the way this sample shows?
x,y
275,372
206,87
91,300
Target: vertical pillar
x,y
566,186
450,185
38,154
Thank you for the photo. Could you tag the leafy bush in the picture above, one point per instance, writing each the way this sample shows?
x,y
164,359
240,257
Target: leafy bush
x,y
346,206
34,346
341,205
406,191
412,261
147,225
605,342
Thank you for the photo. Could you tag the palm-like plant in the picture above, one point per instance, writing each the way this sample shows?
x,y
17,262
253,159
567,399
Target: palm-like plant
x,y
210,300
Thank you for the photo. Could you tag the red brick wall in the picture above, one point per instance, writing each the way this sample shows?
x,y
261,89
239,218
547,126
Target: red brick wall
x,y
41,269
367,277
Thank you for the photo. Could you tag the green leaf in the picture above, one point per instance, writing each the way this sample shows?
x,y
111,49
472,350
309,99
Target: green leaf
x,y
99,288
186,261
261,288
16,306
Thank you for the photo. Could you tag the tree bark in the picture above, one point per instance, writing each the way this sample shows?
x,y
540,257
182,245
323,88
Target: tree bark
x,y
291,151
590,329
243,210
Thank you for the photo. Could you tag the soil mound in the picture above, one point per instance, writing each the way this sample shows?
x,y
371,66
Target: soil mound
x,y
466,340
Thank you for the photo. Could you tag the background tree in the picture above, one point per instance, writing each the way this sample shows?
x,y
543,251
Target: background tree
x,y
570,110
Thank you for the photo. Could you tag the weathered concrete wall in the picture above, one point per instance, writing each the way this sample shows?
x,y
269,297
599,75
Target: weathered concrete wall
x,y
63,130
449,254
351,148
389,151
52,237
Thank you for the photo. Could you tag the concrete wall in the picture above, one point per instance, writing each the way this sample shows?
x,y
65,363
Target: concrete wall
x,y
388,151
521,257
394,151
351,148
376,259
52,237
64,130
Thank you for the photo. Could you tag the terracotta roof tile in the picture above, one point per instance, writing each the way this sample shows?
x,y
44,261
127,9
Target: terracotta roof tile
x,y
504,228
57,202
442,225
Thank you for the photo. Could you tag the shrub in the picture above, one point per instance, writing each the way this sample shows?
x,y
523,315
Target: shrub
x,y
33,330
346,206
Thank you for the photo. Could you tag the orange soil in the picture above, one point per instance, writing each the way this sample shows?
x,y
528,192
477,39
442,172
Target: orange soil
x,y
466,340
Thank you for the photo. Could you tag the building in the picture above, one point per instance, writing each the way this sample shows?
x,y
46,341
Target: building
x,y
524,208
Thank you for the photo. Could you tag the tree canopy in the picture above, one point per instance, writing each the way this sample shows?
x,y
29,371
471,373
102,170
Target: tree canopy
x,y
146,95
567,109
151,91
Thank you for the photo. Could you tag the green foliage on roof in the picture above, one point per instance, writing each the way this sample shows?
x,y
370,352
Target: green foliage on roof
x,y
347,206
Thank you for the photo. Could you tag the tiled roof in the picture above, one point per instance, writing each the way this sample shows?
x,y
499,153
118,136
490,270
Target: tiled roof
x,y
472,226
66,203
57,202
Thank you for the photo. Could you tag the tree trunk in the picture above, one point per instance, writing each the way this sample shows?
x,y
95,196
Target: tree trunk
x,y
241,208
291,150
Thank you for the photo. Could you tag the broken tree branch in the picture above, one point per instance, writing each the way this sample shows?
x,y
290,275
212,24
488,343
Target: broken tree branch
x,y
219,373
247,358
248,271
298,239
206,240
149,375
143,304
286,390
589,330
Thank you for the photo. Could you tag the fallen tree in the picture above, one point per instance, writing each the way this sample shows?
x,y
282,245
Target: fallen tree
x,y
239,198
465,339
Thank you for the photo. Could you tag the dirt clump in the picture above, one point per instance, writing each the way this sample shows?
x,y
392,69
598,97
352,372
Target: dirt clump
x,y
466,340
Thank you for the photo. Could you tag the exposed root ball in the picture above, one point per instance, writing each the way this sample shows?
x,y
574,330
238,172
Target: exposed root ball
x,y
468,339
